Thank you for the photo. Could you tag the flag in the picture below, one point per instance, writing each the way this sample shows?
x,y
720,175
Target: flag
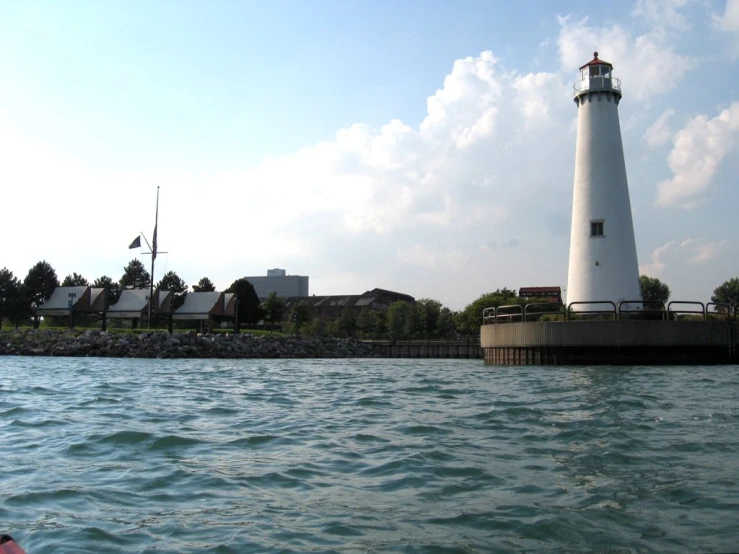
x,y
136,242
154,244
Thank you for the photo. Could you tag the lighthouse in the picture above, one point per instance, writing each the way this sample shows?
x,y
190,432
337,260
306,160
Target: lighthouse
x,y
603,264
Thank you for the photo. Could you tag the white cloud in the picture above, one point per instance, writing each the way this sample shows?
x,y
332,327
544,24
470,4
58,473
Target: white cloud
x,y
659,260
729,23
465,108
696,155
639,61
702,250
694,251
529,88
431,258
379,181
659,132
663,12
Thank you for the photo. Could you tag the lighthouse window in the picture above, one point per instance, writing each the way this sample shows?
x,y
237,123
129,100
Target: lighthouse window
x,y
596,229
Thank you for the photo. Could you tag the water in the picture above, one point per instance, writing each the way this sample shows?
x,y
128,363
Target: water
x,y
165,456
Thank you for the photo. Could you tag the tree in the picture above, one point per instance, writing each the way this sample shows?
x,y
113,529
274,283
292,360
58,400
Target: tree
x,y
300,316
505,293
75,280
333,329
368,322
445,324
112,289
428,313
469,320
172,282
204,285
347,324
317,328
135,276
727,292
414,321
381,324
11,301
40,283
249,309
274,308
653,290
397,314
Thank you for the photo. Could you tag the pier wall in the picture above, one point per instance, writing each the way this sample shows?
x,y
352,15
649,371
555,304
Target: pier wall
x,y
610,342
428,350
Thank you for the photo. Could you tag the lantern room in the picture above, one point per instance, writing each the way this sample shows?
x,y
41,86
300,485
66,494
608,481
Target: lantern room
x,y
597,75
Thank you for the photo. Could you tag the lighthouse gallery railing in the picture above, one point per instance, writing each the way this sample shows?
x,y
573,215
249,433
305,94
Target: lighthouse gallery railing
x,y
600,82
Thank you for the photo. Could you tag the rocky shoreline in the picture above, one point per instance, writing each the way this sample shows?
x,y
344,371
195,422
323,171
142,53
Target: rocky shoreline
x,y
177,345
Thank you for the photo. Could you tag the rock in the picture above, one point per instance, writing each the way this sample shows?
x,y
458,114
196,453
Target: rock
x,y
178,345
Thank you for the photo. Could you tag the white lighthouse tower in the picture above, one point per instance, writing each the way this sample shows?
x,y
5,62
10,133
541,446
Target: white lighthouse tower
x,y
603,264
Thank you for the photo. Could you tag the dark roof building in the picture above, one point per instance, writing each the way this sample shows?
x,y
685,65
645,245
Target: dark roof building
x,y
65,300
331,307
134,304
203,305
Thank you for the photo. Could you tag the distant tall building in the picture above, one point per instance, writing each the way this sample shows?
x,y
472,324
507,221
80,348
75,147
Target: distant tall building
x,y
278,281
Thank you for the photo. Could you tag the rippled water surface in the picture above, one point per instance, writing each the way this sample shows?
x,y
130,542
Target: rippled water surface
x,y
105,455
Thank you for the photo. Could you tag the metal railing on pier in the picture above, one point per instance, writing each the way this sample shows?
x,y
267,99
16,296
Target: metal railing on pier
x,y
606,310
536,315
592,311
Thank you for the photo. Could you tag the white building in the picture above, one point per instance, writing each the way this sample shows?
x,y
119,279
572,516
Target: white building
x,y
603,264
278,281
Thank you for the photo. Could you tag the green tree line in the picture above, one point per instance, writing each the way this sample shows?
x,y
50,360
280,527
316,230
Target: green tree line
x,y
424,319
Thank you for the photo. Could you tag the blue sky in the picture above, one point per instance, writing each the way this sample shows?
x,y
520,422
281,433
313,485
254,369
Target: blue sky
x,y
424,147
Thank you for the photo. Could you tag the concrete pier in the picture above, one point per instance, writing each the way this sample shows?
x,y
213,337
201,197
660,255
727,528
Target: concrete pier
x,y
610,343
459,350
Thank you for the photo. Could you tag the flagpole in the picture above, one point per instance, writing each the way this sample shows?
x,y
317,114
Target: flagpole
x,y
153,257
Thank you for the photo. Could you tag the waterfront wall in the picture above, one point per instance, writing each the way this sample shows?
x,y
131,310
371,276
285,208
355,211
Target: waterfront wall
x,y
610,342
429,350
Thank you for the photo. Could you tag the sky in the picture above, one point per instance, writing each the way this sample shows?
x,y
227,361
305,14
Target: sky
x,y
425,147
